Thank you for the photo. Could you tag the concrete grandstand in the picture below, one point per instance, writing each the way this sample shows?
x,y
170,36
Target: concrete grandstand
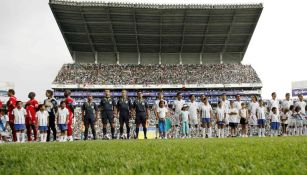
x,y
110,38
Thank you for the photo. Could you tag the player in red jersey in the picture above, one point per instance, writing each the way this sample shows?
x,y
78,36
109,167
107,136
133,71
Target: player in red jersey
x,y
31,108
11,104
1,105
70,106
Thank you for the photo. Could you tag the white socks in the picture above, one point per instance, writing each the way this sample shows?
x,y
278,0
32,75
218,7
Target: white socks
x,y
204,132
209,133
219,133
259,132
22,137
43,137
263,132
18,136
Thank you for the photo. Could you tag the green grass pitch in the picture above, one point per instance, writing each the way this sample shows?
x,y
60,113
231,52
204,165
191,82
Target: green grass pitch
x,y
282,155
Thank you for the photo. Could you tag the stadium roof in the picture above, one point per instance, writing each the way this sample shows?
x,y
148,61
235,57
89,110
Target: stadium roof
x,y
97,31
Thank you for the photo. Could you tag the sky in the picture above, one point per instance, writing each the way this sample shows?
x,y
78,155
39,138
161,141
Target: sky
x,y
32,49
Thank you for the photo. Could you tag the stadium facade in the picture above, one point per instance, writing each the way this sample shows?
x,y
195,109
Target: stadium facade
x,y
121,34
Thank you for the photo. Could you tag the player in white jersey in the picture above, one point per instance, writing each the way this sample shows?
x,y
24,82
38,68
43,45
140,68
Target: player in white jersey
x,y
19,121
155,108
177,107
42,122
252,108
193,113
286,103
233,117
206,117
225,105
243,113
260,113
275,122
273,103
302,104
62,118
220,119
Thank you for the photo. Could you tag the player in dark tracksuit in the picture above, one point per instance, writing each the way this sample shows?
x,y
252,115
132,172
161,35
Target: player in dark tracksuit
x,y
107,106
141,112
89,116
52,108
123,111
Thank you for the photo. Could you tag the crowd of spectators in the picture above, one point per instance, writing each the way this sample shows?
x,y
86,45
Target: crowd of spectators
x,y
100,74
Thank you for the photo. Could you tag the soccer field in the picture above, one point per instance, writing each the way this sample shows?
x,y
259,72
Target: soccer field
x,y
283,155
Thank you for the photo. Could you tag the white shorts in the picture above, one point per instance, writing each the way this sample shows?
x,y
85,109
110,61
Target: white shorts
x,y
193,121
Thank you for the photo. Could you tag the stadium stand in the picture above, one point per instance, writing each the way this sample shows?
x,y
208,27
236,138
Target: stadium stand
x,y
156,74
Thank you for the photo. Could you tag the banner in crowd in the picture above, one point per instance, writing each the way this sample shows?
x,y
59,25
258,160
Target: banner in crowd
x,y
296,92
155,93
154,86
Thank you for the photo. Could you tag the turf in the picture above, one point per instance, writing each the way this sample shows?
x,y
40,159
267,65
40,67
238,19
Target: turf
x,y
283,155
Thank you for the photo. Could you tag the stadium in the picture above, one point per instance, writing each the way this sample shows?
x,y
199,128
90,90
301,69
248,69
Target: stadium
x,y
195,49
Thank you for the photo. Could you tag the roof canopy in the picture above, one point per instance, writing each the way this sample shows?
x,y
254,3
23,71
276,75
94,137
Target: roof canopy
x,y
98,30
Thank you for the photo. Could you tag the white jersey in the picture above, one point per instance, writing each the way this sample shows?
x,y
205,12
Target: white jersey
x,y
273,103
42,118
302,105
243,113
162,112
237,104
156,105
220,112
233,118
19,115
286,104
275,117
253,108
205,110
62,114
261,112
178,106
225,105
193,109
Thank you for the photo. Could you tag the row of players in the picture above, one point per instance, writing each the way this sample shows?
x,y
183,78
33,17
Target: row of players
x,y
229,114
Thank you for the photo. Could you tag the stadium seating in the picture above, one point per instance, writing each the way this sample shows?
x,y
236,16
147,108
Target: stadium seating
x,y
101,74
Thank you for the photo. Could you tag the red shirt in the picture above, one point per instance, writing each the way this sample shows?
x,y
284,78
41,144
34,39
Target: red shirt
x,y
11,104
1,104
69,104
32,106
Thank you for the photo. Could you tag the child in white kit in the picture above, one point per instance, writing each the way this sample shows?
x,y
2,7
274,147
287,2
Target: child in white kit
x,y
19,121
220,119
62,118
42,122
275,122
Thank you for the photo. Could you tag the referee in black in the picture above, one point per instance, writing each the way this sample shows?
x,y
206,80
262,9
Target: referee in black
x,y
108,106
89,116
142,112
123,111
